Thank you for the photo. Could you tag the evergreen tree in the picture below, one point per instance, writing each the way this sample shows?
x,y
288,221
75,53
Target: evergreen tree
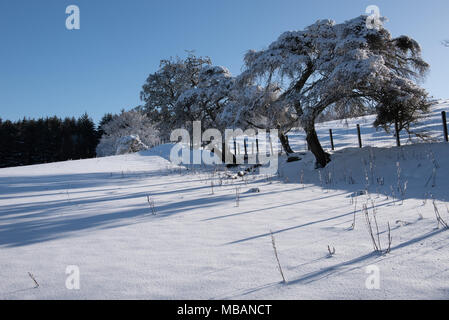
x,y
87,137
108,117
30,141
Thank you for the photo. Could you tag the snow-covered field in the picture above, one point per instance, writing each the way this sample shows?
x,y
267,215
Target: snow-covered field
x,y
203,244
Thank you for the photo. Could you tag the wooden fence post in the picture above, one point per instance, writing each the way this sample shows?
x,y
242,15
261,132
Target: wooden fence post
x,y
257,144
235,147
257,149
359,136
245,146
223,152
332,139
443,114
398,137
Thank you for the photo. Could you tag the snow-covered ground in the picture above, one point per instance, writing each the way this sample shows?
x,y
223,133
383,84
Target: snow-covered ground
x,y
202,243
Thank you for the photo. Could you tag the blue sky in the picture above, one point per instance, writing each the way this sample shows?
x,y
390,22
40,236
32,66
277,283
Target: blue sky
x,y
48,70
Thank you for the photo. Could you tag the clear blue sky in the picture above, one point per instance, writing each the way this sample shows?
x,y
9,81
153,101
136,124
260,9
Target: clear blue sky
x,y
47,70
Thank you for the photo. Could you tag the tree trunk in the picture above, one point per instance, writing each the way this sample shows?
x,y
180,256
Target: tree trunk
x,y
322,157
285,144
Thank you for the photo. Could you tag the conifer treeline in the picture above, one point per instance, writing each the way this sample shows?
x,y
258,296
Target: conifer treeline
x,y
46,140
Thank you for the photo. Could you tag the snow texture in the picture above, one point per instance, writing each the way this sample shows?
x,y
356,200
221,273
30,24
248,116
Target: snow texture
x,y
200,243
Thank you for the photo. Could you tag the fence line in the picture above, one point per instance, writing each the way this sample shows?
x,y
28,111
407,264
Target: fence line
x,y
269,145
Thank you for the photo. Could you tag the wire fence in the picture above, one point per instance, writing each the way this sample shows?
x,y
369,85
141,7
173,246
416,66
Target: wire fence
x,y
358,133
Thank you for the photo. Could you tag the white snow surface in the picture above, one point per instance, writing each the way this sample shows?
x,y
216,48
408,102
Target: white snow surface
x,y
199,244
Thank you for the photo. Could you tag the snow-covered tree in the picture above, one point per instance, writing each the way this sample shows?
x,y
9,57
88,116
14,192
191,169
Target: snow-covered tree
x,y
163,88
260,107
328,64
131,131
207,100
222,101
129,144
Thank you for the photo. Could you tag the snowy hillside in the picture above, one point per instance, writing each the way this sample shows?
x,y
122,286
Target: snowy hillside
x,y
345,131
139,227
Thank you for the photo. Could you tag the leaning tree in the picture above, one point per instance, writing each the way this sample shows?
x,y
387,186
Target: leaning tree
x,y
329,64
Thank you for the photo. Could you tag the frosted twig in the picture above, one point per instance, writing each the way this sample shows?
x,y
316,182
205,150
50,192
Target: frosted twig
x,y
273,242
34,279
